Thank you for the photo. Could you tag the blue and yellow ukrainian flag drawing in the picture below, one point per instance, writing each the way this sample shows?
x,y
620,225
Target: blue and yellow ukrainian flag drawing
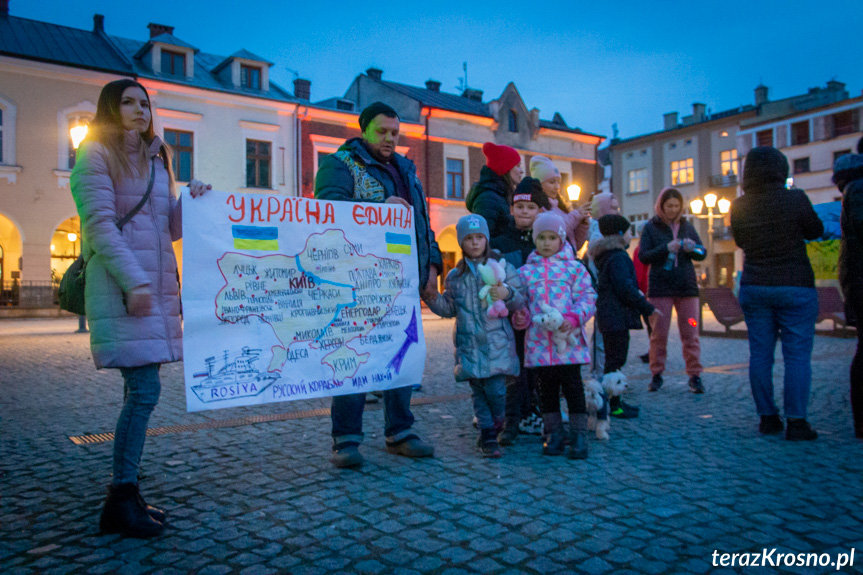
x,y
398,243
255,238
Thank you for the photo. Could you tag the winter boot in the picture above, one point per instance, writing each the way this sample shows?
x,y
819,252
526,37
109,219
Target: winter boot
x,y
488,443
509,435
153,512
555,440
577,436
124,513
800,430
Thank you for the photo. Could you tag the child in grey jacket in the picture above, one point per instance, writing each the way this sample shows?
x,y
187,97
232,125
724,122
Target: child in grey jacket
x,y
484,344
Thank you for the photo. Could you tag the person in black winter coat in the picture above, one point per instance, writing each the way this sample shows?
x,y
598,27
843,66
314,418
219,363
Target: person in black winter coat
x,y
669,245
619,304
770,224
515,242
497,180
848,177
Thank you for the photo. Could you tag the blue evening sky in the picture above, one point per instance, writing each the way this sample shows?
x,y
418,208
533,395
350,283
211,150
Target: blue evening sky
x,y
594,62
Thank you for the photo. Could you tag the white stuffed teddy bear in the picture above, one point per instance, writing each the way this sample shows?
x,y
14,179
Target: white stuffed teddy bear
x,y
551,319
492,273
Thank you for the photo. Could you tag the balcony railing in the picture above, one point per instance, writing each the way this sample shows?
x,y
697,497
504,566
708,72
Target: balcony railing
x,y
727,181
29,293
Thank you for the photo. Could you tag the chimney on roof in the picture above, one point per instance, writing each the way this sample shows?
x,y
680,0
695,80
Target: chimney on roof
x,y
472,94
698,110
760,94
98,23
4,8
303,89
159,29
433,85
375,73
835,85
670,120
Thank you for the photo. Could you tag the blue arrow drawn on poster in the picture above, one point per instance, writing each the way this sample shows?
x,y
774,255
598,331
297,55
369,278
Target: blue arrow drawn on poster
x,y
411,330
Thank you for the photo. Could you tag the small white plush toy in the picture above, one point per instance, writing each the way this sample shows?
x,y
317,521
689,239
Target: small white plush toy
x,y
551,319
493,273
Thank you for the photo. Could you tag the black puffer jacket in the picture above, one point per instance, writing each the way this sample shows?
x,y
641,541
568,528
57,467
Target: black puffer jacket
x,y
848,176
619,303
488,198
680,280
771,224
514,244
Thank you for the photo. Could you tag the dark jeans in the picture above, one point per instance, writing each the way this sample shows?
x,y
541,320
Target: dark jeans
x,y
856,300
521,390
786,313
141,391
488,401
616,349
556,379
347,416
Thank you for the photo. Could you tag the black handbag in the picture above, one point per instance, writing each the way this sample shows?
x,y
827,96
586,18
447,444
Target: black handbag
x,y
71,290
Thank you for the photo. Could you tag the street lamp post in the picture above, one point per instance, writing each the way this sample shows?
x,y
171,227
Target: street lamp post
x,y
697,205
77,133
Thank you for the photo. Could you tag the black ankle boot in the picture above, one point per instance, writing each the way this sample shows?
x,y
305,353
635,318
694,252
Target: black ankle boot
x,y
578,436
153,512
125,513
555,440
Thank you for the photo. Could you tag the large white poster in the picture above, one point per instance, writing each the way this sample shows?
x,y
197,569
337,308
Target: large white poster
x,y
291,298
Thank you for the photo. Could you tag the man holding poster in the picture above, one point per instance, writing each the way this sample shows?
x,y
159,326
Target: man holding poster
x,y
368,169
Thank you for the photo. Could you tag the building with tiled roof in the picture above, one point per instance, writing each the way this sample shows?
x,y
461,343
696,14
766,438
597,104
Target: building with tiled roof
x,y
215,111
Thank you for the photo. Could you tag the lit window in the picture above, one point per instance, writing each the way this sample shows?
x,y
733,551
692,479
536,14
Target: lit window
x,y
513,121
682,172
258,162
250,77
454,178
728,162
638,181
173,63
182,145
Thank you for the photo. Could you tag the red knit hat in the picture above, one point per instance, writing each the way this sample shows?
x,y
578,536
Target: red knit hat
x,y
500,159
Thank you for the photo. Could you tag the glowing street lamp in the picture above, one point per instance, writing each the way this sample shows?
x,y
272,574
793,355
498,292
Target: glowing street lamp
x,y
711,201
78,133
573,191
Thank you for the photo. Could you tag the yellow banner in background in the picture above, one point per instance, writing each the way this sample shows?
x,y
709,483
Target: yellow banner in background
x,y
824,257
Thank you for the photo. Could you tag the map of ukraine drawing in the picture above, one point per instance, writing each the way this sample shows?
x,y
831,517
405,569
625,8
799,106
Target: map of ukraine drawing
x,y
325,298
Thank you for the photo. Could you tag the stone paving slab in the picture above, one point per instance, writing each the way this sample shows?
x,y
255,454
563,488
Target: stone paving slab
x,y
690,476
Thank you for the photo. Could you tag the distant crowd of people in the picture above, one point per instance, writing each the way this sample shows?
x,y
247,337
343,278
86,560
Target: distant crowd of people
x,y
521,296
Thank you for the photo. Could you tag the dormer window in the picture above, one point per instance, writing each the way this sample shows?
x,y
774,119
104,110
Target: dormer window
x,y
250,77
173,63
513,121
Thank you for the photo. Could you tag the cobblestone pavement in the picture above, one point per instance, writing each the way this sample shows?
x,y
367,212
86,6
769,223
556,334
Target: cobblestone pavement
x,y
690,476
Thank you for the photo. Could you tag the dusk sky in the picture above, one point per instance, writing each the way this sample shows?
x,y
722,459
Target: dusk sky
x,y
596,63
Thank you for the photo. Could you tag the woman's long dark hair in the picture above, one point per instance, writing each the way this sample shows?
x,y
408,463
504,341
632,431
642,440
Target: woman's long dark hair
x,y
107,129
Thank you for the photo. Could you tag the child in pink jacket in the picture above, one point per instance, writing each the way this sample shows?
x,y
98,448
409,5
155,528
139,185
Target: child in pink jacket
x,y
553,277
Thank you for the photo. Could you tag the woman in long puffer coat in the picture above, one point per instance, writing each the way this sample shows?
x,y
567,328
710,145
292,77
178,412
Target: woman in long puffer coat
x,y
132,294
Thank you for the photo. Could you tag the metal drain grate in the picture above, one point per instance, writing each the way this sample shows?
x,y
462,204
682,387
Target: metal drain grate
x,y
93,438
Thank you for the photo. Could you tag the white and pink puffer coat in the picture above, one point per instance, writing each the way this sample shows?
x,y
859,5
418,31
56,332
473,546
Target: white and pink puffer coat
x,y
140,254
564,283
